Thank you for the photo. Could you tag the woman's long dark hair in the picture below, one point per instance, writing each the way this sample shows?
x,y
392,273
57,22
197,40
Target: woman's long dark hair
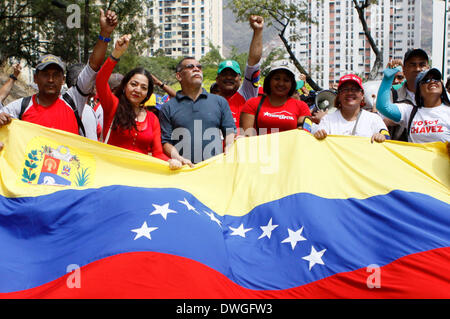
x,y
125,117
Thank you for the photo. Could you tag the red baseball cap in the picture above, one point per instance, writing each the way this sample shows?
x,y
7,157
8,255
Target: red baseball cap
x,y
352,78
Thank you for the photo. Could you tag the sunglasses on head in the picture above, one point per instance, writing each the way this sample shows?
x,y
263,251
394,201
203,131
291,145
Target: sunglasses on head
x,y
191,66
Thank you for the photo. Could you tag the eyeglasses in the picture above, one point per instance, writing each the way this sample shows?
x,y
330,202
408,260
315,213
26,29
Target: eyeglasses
x,y
349,90
191,66
399,77
430,80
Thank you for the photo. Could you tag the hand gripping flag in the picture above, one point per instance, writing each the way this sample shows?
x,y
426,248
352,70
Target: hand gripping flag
x,y
280,216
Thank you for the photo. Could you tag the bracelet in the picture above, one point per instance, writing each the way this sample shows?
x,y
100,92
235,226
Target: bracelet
x,y
162,85
104,39
12,76
113,58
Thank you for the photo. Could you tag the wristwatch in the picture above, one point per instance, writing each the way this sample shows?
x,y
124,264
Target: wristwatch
x,y
162,85
12,76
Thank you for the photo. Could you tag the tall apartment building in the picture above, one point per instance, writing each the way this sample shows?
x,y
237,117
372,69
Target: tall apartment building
x,y
187,26
336,43
438,41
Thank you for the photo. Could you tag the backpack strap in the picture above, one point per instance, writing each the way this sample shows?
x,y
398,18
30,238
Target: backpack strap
x,y
394,95
413,113
71,102
23,106
257,112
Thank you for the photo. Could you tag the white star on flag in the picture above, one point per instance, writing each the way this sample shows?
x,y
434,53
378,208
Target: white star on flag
x,y
163,210
144,231
294,237
315,257
240,231
188,205
267,230
213,218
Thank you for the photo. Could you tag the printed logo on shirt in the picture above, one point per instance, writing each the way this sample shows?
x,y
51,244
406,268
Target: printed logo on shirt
x,y
426,127
46,162
283,115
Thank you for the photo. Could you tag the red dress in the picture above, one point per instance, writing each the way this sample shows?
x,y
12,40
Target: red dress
x,y
146,139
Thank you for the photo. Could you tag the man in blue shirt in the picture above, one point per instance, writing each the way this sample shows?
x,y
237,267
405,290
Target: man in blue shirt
x,y
195,121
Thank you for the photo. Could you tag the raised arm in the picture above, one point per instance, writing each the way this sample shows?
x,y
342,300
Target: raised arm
x,y
164,86
384,104
255,51
6,88
108,22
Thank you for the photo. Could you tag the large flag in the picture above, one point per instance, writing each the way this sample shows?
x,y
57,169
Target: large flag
x,y
280,216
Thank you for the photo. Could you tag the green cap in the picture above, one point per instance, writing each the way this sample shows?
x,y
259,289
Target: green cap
x,y
229,64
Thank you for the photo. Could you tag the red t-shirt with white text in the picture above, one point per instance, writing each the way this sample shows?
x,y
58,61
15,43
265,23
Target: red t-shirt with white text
x,y
283,118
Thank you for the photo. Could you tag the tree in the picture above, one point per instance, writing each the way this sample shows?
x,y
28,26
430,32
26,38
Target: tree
x,y
279,14
17,30
274,55
31,28
361,9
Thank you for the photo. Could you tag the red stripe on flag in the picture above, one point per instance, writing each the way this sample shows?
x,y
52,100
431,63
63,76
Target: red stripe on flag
x,y
161,276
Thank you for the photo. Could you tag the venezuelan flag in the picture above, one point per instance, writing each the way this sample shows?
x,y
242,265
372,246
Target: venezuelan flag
x,y
279,216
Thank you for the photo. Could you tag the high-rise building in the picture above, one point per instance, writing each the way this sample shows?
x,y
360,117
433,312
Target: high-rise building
x,y
187,27
336,44
440,45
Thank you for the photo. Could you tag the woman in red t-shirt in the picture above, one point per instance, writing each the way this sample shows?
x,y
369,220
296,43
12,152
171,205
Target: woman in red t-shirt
x,y
278,110
126,122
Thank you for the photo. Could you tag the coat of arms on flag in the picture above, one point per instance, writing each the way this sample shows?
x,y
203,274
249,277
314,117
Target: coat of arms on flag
x,y
48,163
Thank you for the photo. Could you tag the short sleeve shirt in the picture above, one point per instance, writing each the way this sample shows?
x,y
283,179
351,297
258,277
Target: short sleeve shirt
x,y
196,128
277,118
430,124
368,124
247,90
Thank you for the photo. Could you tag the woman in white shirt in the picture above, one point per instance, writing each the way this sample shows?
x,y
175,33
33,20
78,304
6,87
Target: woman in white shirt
x,y
430,120
350,118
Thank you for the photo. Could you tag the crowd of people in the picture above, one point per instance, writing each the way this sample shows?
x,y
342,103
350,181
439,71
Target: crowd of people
x,y
194,124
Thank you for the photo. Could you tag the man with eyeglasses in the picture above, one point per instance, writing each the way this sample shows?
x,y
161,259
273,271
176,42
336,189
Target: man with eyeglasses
x,y
194,122
414,62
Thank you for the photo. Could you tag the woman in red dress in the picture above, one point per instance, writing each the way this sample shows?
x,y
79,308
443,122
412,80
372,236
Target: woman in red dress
x,y
127,123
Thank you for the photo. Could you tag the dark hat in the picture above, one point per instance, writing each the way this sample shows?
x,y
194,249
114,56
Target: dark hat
x,y
437,75
414,52
48,59
419,79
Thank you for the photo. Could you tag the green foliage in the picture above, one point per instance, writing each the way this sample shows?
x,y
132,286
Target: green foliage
x,y
273,56
279,14
27,174
31,28
212,58
273,11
